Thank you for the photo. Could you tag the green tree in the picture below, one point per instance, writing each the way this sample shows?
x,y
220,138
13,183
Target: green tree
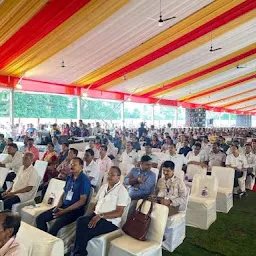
x,y
4,103
44,106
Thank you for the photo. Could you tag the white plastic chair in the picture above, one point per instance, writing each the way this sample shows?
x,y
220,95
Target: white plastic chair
x,y
80,154
156,172
100,245
193,169
128,246
3,175
179,174
201,211
67,233
39,243
41,167
29,213
16,208
125,167
225,177
3,157
156,150
175,231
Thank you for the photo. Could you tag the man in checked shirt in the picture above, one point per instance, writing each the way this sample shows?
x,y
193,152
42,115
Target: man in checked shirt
x,y
171,191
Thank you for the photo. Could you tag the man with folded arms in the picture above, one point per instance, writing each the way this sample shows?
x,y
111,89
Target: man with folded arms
x,y
141,181
24,185
112,199
171,190
71,203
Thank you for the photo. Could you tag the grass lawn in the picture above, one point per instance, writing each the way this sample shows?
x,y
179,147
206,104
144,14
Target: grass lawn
x,y
231,234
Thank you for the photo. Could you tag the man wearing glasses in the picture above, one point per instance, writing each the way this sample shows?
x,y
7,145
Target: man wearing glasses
x,y
112,199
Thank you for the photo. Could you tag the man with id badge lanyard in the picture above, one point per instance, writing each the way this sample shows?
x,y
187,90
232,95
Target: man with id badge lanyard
x,y
71,203
171,191
112,199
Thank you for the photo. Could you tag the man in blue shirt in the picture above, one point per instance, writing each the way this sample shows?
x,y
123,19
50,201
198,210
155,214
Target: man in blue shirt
x,y
142,182
71,203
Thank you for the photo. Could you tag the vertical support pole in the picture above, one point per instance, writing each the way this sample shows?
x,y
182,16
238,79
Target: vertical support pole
x,y
229,120
176,118
219,119
122,115
79,107
12,107
153,115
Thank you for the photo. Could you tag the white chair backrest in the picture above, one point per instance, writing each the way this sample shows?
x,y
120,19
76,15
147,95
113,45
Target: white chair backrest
x,y
78,146
99,183
80,154
179,174
159,217
141,153
125,167
125,213
3,157
55,186
202,181
187,198
193,169
156,172
225,177
115,151
156,150
3,174
41,167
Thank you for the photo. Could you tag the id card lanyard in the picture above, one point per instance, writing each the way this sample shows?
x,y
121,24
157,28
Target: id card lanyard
x,y
108,191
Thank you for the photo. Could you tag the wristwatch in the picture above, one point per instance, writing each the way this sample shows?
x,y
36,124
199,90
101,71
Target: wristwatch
x,y
101,215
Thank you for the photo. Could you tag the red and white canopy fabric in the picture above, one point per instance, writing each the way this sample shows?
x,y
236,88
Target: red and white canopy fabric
x,y
117,49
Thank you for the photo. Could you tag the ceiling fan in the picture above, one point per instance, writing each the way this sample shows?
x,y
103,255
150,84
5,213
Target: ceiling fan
x,y
240,66
161,20
212,49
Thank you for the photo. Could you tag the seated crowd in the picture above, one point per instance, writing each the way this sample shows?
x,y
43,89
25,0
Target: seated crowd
x,y
97,170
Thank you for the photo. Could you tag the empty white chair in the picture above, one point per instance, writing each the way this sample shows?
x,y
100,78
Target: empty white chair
x,y
193,169
29,213
3,174
41,167
201,210
39,243
100,245
125,167
175,230
225,177
156,172
128,246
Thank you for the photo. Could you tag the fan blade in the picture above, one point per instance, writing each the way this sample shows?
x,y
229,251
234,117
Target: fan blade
x,y
216,49
152,19
169,18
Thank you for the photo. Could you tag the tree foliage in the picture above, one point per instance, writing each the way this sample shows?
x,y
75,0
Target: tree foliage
x,y
4,103
164,113
137,111
44,106
100,109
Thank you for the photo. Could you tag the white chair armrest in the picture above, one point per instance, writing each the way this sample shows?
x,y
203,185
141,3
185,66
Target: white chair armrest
x,y
17,207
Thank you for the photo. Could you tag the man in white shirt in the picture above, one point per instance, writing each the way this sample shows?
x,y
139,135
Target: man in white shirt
x,y
95,150
251,163
129,155
97,130
14,161
236,143
91,169
239,163
112,199
196,157
169,130
178,160
180,144
24,185
104,162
